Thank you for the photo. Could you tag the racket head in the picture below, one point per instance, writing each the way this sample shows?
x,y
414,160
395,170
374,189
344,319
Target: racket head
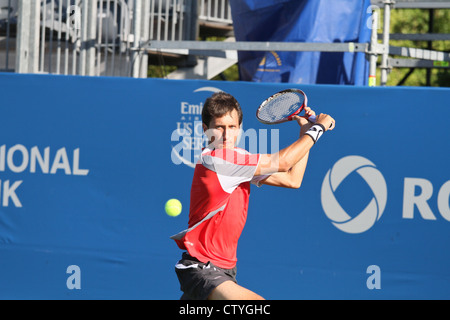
x,y
281,106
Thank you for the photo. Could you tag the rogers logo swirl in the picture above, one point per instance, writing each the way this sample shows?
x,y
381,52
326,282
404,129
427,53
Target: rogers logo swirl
x,y
375,180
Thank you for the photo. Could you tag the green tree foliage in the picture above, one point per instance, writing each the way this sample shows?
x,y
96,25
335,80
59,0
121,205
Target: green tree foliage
x,y
413,21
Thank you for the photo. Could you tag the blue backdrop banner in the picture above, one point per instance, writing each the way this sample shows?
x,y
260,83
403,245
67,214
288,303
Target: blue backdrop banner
x,y
87,164
303,21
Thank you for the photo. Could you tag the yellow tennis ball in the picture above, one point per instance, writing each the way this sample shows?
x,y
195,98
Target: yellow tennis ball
x,y
173,207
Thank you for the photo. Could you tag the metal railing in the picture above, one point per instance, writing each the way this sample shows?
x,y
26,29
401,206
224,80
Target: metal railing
x,y
215,11
74,37
166,19
98,37
66,36
8,19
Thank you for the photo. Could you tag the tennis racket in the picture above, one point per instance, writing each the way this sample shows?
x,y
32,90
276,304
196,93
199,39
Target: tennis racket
x,y
283,106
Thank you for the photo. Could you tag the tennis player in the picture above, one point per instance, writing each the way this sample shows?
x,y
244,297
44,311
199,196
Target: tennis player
x,y
220,196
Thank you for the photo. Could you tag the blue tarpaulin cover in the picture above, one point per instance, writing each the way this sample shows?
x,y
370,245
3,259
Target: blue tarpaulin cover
x,y
325,21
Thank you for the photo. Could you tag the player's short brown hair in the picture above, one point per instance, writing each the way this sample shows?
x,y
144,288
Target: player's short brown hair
x,y
218,105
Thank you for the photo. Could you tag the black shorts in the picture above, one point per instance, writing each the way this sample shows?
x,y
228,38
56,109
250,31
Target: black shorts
x,y
198,279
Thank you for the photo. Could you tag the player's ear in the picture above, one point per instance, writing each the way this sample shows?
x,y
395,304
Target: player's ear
x,y
205,128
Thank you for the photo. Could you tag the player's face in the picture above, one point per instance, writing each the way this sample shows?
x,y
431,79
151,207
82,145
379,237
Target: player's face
x,y
224,131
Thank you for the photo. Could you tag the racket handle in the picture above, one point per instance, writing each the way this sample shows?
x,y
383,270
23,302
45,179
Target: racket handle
x,y
313,119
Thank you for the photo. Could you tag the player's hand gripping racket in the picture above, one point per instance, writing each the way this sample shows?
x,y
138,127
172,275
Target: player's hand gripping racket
x,y
283,106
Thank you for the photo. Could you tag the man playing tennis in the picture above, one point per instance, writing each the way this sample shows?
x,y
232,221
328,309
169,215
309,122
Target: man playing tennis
x,y
220,196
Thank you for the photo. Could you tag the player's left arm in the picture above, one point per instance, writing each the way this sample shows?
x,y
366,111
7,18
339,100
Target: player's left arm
x,y
294,176
290,179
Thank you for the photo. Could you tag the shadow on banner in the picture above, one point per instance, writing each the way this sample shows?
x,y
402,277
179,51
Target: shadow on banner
x,y
321,21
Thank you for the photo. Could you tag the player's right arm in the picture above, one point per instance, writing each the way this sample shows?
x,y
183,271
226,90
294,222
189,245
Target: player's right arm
x,y
286,167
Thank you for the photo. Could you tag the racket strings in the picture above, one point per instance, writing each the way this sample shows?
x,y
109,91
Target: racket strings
x,y
281,107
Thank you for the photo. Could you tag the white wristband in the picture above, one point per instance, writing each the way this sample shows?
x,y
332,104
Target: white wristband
x,y
315,132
